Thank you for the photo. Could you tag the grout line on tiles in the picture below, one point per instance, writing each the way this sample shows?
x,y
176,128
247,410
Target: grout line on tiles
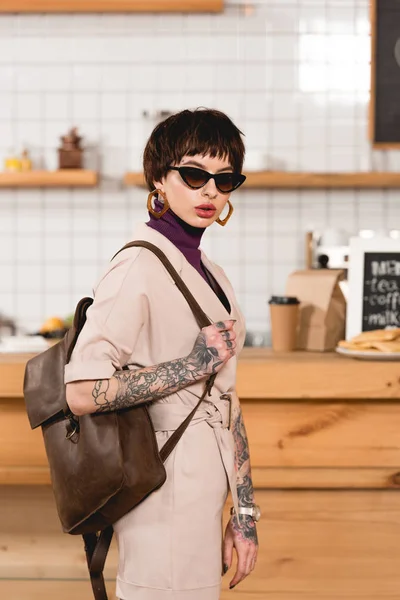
x,y
226,87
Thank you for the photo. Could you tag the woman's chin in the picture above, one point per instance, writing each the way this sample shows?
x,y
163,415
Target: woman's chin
x,y
202,222
199,222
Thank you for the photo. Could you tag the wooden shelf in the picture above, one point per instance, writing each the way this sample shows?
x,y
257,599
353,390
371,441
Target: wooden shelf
x,y
286,180
134,179
283,180
61,178
110,6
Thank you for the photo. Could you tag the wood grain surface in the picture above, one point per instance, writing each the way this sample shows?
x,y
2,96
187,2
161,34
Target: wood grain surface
x,y
292,444
101,6
301,180
326,472
52,179
263,374
313,545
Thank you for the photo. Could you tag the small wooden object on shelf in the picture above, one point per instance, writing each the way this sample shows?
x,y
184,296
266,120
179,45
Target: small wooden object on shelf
x,y
70,154
25,162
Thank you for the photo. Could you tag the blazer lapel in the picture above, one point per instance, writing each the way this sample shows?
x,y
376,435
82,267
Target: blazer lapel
x,y
175,256
204,294
225,287
199,287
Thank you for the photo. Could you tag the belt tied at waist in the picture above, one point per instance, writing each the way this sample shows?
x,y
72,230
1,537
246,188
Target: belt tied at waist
x,y
168,417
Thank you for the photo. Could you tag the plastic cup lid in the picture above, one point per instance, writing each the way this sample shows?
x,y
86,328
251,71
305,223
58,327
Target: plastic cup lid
x,y
284,300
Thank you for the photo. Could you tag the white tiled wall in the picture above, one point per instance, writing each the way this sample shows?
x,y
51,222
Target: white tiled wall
x,y
294,75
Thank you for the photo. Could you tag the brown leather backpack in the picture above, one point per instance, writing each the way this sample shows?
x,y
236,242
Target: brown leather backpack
x,y
101,465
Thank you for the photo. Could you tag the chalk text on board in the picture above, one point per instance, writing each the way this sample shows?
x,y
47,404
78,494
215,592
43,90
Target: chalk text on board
x,y
385,267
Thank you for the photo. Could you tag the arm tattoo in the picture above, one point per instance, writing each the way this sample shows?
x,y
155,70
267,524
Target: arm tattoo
x,y
153,383
202,355
245,527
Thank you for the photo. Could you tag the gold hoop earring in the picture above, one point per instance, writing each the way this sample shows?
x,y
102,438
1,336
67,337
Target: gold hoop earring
x,y
151,210
223,222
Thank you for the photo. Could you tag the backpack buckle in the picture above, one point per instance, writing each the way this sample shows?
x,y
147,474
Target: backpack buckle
x,y
72,427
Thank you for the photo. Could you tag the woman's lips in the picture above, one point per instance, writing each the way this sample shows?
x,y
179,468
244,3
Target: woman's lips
x,y
205,210
206,213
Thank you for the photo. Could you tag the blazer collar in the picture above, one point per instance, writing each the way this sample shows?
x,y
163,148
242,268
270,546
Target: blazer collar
x,y
204,294
175,256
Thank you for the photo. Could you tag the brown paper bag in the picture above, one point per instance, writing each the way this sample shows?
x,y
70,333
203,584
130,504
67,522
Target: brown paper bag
x,y
322,307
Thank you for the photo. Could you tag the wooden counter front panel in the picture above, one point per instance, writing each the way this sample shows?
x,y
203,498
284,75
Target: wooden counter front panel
x,y
319,545
78,590
321,434
314,444
22,455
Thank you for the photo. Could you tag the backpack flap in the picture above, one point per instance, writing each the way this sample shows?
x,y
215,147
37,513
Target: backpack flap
x,y
44,387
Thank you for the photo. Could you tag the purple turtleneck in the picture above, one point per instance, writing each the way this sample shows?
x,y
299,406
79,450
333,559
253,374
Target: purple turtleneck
x,y
187,239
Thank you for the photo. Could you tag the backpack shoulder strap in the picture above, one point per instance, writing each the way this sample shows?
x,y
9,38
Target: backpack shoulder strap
x,y
79,321
202,321
96,549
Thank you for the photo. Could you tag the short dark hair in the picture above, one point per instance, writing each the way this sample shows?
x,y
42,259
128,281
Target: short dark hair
x,y
189,132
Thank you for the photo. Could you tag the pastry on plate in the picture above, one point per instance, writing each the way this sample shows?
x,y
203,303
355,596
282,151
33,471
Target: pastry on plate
x,y
377,335
377,340
393,346
350,345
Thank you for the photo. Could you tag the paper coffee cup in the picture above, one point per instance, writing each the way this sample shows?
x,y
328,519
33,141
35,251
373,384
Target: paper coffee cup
x,y
284,311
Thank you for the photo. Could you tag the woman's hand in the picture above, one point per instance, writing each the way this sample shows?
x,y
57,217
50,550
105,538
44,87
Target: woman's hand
x,y
243,537
214,346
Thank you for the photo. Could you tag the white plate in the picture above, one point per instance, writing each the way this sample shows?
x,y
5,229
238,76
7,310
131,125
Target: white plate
x,y
369,354
22,343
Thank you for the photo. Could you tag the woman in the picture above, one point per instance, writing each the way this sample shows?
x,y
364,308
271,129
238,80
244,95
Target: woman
x,y
170,545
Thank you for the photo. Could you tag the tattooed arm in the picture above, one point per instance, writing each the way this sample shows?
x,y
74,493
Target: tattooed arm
x,y
212,349
246,526
241,532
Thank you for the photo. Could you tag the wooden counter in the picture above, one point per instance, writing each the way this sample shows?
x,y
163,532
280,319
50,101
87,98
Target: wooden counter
x,y
263,374
313,419
324,435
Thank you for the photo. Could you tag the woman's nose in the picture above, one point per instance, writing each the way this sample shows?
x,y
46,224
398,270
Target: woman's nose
x,y
209,189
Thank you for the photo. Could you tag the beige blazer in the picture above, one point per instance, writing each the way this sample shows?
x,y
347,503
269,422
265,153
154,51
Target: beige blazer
x,y
140,318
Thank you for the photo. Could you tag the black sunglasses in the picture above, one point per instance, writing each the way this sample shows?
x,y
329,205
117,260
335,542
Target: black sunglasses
x,y
196,178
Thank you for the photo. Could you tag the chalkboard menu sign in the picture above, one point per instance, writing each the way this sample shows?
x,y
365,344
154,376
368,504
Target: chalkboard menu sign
x,y
385,74
381,300
373,298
